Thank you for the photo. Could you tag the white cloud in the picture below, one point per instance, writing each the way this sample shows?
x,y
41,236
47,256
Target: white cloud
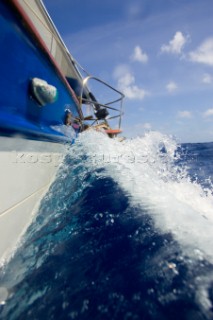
x,y
207,78
208,113
176,44
121,70
184,114
171,86
204,53
139,55
141,109
126,83
134,10
147,126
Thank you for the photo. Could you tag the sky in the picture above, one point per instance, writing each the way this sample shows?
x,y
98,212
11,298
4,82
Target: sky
x,y
159,53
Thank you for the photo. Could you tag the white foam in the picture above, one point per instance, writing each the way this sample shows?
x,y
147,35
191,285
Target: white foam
x,y
151,179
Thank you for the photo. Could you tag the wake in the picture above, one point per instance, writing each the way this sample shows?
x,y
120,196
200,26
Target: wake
x,y
150,171
124,232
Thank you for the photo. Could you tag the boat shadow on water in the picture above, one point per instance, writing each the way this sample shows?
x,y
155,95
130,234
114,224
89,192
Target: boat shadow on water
x,y
91,254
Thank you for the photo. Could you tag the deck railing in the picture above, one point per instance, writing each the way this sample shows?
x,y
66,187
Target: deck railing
x,y
117,112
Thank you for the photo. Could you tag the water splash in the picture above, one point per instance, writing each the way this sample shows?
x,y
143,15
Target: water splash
x,y
123,232
146,168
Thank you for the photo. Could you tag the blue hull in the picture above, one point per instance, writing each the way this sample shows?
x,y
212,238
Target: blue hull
x,y
22,59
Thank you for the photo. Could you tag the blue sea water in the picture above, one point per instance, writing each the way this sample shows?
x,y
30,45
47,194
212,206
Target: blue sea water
x,y
125,232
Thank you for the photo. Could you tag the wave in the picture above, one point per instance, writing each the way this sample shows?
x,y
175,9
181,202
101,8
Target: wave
x,y
149,170
125,231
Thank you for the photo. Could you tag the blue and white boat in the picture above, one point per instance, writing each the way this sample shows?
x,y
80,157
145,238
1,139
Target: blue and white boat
x,y
42,92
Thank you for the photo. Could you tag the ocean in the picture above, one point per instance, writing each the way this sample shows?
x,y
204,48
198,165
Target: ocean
x,y
124,233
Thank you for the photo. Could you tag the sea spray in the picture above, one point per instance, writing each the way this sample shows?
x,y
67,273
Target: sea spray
x,y
124,232
146,169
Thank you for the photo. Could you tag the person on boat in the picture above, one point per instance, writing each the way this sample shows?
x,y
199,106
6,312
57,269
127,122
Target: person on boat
x,y
100,112
71,121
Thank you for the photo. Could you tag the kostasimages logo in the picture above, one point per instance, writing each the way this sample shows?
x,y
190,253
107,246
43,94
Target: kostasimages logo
x,y
33,158
126,157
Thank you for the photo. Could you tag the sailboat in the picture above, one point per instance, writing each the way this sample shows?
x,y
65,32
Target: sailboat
x,y
44,95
